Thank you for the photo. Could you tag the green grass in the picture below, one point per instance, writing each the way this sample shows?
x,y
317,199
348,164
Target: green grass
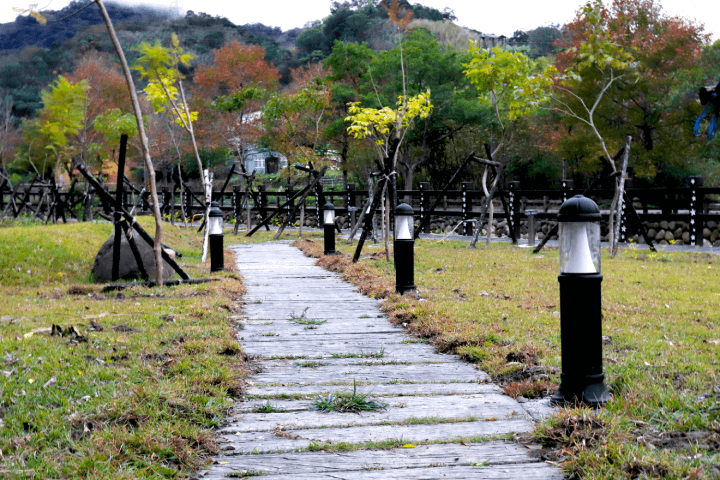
x,y
379,354
344,402
498,306
311,364
136,388
268,408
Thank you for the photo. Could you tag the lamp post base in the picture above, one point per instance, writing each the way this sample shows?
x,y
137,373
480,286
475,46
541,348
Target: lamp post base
x,y
329,237
404,266
582,379
217,259
589,390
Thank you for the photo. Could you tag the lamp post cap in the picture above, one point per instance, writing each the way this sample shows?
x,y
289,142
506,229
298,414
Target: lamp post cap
x,y
215,210
579,209
329,206
404,209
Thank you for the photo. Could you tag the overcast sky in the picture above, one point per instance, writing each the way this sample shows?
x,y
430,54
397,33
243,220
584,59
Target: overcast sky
x,y
487,16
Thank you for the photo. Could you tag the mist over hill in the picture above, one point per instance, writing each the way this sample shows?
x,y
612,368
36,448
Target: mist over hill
x,y
66,23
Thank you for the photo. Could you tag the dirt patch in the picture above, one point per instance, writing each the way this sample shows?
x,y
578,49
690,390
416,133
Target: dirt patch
x,y
637,470
527,357
700,439
520,375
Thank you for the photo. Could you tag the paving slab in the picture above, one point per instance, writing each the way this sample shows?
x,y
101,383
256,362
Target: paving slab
x,y
535,471
395,389
436,404
277,440
380,373
422,456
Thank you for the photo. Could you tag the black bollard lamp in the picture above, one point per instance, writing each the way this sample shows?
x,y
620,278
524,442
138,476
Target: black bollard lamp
x,y
329,228
404,249
582,379
215,238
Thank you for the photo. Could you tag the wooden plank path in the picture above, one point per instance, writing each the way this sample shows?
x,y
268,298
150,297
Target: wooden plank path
x,y
311,334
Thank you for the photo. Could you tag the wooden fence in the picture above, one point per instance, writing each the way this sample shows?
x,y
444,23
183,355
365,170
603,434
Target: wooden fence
x,y
694,204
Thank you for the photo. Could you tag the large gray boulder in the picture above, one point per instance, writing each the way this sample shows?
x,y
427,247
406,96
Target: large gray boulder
x,y
128,266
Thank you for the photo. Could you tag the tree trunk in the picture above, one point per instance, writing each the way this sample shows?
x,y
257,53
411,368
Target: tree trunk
x,y
157,247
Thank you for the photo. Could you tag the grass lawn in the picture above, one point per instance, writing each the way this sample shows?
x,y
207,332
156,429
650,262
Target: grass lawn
x,y
498,306
129,384
136,387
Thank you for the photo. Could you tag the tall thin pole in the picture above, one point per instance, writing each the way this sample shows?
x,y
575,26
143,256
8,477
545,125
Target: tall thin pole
x,y
117,217
157,248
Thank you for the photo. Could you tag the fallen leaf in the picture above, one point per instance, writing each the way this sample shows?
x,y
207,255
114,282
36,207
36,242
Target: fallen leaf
x,y
38,330
408,445
491,419
50,382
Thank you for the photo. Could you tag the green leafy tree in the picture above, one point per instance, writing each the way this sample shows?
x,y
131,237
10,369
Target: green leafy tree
x,y
62,117
347,65
160,67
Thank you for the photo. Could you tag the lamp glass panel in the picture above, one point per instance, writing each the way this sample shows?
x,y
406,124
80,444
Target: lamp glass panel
x,y
328,216
215,225
404,228
579,247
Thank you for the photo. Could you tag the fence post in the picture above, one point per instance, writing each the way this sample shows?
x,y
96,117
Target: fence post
x,y
696,205
350,200
237,204
318,207
145,203
466,208
263,201
622,237
424,203
290,207
188,204
514,214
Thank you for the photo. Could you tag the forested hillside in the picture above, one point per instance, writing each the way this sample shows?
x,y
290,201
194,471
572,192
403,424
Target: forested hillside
x,y
342,89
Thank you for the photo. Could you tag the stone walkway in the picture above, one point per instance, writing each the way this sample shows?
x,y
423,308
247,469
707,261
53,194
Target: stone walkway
x,y
311,333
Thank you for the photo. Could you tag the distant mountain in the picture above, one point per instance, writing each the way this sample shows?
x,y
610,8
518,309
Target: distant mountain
x,y
62,24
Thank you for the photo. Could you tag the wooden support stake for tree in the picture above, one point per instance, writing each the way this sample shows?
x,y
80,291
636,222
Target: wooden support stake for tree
x,y
305,192
359,221
227,180
491,193
426,218
11,203
26,197
135,250
638,220
302,219
104,194
377,197
117,216
554,230
39,207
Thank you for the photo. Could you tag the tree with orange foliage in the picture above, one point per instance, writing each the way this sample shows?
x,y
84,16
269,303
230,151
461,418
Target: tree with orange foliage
x,y
234,86
106,103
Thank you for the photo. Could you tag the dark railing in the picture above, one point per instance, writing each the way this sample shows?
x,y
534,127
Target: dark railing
x,y
691,204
